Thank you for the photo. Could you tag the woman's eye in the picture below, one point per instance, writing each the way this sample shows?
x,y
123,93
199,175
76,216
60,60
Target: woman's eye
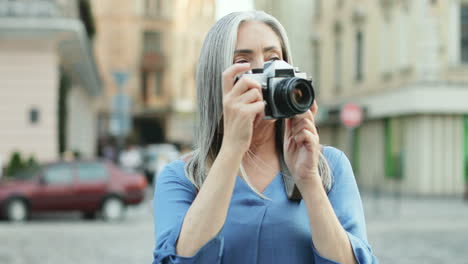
x,y
274,58
241,61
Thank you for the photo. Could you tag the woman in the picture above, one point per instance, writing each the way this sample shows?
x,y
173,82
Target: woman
x,y
226,202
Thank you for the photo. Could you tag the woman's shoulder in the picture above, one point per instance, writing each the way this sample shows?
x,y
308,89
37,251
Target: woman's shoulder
x,y
333,155
174,171
337,160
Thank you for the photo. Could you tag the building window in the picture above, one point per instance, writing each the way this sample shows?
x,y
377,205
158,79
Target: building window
x,y
318,9
359,56
144,87
317,62
386,39
403,25
464,33
34,116
153,8
339,3
466,148
152,42
338,59
158,83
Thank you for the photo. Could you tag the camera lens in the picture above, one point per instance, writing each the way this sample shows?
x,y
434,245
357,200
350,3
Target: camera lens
x,y
294,96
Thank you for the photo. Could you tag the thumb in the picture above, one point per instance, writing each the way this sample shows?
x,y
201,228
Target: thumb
x,y
287,129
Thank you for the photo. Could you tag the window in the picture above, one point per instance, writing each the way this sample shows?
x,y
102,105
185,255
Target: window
x,y
34,116
158,83
318,8
464,33
317,62
152,42
403,43
58,174
466,147
359,56
153,8
338,59
91,172
386,47
144,87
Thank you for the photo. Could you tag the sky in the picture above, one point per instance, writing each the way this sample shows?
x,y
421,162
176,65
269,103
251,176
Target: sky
x,y
224,7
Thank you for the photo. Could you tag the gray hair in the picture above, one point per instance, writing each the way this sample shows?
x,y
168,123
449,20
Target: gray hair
x,y
216,55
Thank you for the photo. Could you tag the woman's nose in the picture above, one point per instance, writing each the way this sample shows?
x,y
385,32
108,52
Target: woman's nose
x,y
257,63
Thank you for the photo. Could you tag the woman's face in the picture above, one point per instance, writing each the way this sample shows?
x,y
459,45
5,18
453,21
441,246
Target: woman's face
x,y
256,44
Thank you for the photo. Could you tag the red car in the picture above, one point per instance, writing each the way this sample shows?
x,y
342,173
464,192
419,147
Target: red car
x,y
91,187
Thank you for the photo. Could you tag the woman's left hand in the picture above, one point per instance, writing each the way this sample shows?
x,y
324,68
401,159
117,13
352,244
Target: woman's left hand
x,y
302,148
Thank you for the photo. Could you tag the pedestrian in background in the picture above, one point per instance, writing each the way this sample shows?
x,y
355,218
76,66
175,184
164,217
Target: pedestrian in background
x,y
226,202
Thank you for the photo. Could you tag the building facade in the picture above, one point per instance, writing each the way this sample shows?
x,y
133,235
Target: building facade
x,y
48,79
293,15
404,62
155,44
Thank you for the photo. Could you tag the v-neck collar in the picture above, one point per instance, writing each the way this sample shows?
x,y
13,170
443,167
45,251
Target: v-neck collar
x,y
267,189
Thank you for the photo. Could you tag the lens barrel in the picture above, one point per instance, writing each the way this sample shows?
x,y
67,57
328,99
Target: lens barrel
x,y
293,96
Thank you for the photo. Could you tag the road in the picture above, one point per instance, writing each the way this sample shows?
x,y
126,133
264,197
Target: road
x,y
404,231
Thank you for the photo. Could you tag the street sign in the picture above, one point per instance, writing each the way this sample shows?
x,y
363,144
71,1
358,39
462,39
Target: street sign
x,y
351,115
120,123
120,78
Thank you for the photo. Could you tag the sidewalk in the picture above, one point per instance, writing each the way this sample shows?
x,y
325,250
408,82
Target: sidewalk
x,y
409,230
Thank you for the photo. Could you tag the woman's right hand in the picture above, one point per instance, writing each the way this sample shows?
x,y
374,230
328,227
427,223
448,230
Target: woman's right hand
x,y
243,107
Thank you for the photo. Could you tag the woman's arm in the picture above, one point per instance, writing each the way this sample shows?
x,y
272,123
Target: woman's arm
x,y
208,212
328,235
337,219
242,107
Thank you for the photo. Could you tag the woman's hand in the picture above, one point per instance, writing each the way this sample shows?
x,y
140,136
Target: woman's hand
x,y
302,147
243,107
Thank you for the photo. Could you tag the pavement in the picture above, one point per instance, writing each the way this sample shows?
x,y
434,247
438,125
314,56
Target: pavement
x,y
400,230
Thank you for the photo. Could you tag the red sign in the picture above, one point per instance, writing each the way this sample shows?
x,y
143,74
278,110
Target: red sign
x,y
351,115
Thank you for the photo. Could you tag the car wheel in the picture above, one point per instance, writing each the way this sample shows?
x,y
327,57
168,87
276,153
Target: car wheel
x,y
89,215
16,210
112,209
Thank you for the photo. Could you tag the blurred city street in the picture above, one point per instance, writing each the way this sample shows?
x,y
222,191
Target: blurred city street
x,y
405,231
97,97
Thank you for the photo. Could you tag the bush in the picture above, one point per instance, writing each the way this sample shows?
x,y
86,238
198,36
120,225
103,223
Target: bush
x,y
16,164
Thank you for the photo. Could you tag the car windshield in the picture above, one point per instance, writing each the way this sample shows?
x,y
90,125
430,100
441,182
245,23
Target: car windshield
x,y
26,173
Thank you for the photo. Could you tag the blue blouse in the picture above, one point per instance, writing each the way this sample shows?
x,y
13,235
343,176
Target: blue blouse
x,y
258,230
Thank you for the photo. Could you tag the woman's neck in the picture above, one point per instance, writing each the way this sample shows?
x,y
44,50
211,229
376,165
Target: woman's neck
x,y
262,149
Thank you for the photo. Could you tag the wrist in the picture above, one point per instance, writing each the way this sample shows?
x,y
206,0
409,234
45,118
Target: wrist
x,y
311,187
231,152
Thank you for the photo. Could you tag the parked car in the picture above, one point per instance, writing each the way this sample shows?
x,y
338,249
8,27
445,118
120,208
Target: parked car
x,y
92,187
156,157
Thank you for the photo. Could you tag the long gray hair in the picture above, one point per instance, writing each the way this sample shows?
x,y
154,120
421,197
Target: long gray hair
x,y
216,55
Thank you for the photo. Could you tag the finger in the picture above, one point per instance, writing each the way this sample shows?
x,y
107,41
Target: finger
x,y
314,108
304,124
287,129
304,138
245,84
252,95
305,116
229,75
255,109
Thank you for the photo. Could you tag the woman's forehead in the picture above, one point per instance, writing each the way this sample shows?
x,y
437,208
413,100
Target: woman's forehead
x,y
256,34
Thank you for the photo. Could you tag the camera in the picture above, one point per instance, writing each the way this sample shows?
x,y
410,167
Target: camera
x,y
286,91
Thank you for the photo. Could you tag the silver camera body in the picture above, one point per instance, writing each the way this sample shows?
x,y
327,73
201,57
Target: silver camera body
x,y
286,91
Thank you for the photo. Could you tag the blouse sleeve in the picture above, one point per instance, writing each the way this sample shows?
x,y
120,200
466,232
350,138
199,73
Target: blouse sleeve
x,y
173,196
347,204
